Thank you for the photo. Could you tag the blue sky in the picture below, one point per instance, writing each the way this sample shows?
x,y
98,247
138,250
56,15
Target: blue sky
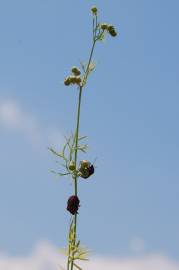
x,y
129,111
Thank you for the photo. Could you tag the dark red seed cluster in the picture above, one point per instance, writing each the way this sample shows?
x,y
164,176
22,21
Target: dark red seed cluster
x,y
91,170
73,204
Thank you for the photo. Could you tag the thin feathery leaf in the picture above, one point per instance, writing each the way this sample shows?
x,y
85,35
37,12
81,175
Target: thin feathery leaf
x,y
77,266
59,173
82,138
82,66
55,152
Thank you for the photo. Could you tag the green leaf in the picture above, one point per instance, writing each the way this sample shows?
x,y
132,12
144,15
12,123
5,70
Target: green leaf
x,y
55,153
77,266
64,148
83,147
83,66
58,173
82,138
78,243
101,37
81,259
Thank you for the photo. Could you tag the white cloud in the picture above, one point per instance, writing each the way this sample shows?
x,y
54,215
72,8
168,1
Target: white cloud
x,y
14,118
10,115
46,257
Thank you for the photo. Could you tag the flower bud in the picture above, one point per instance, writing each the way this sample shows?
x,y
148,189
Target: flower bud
x,y
104,26
71,165
76,71
94,10
67,81
112,31
73,204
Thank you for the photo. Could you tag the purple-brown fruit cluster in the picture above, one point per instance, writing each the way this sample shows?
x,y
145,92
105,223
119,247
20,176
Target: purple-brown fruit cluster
x,y
73,204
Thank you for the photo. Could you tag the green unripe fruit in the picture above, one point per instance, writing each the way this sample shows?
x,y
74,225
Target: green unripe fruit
x,y
71,165
76,71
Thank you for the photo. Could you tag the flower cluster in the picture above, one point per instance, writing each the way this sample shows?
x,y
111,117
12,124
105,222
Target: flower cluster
x,y
104,26
74,77
109,28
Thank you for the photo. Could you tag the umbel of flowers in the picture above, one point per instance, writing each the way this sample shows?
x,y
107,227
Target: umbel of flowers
x,y
83,169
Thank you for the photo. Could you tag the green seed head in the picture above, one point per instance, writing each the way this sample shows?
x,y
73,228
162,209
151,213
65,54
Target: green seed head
x,y
76,71
94,10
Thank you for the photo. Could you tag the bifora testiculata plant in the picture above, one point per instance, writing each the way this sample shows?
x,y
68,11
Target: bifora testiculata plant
x,y
73,145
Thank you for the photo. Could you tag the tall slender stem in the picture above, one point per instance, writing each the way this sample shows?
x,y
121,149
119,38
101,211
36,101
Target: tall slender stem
x,y
76,142
76,137
76,157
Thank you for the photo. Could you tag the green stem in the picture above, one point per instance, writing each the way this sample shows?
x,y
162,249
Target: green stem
x,y
68,264
76,138
89,62
76,142
76,157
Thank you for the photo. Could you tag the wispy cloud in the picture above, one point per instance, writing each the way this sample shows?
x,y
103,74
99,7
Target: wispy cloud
x,y
46,257
16,119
